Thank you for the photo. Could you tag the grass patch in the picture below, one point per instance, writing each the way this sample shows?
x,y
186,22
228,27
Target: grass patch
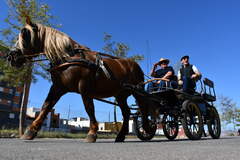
x,y
9,133
13,133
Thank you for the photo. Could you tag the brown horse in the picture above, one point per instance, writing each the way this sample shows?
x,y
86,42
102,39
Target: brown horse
x,y
76,72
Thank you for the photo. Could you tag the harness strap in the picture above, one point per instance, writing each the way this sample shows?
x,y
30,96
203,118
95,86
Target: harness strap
x,y
82,62
97,65
99,62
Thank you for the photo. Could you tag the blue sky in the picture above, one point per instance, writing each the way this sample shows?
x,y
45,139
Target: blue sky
x,y
207,30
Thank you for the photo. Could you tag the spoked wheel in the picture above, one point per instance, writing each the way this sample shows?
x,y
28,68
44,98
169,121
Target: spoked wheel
x,y
140,132
192,121
213,123
170,126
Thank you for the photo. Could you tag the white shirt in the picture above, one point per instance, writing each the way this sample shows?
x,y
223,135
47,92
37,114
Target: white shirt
x,y
194,68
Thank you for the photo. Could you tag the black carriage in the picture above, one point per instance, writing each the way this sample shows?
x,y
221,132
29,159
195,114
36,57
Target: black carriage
x,y
177,108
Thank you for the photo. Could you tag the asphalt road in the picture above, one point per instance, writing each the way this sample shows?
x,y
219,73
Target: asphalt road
x,y
226,148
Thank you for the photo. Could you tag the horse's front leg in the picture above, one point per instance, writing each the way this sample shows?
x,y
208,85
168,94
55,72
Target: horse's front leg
x,y
89,107
53,96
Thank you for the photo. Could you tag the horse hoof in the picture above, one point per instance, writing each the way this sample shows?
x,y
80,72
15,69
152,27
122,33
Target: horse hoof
x,y
29,135
91,138
120,139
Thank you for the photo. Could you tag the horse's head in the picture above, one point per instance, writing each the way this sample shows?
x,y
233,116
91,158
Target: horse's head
x,y
27,45
28,39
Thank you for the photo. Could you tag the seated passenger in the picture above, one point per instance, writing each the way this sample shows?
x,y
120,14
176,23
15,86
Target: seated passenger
x,y
188,75
165,72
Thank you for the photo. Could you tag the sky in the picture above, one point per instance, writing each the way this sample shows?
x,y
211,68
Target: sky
x,y
206,30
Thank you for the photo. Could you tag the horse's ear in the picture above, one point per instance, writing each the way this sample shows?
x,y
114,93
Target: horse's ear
x,y
28,21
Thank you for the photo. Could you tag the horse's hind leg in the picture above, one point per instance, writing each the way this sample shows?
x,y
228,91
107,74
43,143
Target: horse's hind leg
x,y
142,102
122,102
89,107
53,96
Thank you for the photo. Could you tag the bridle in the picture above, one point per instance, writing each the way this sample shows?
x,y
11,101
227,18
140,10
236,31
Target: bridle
x,y
16,58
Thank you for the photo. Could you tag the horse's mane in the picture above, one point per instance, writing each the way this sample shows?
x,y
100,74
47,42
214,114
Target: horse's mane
x,y
56,44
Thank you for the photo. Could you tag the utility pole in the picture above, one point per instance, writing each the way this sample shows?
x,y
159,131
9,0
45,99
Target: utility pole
x,y
68,114
149,61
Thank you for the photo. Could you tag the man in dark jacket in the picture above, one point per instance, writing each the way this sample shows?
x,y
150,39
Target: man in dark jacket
x,y
165,72
188,75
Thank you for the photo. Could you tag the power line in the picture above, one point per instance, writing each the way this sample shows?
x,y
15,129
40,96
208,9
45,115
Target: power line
x,y
149,61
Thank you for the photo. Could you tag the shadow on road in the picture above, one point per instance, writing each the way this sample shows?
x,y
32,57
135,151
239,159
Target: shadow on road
x,y
161,140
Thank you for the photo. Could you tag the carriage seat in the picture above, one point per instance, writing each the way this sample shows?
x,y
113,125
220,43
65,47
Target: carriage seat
x,y
208,97
208,91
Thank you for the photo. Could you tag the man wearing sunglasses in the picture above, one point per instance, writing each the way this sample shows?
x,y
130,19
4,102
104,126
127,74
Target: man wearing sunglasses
x,y
165,72
188,75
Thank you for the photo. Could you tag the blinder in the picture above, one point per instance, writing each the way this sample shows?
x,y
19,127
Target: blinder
x,y
26,36
16,58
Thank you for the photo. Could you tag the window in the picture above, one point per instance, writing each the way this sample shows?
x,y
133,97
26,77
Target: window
x,y
1,89
11,115
15,105
10,91
17,94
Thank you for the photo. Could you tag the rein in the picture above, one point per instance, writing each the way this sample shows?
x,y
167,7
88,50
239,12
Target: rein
x,y
34,55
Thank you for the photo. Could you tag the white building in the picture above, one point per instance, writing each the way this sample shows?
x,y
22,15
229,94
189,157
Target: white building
x,y
131,126
79,122
32,112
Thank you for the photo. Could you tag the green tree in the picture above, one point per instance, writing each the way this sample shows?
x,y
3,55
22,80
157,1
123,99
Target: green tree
x,y
18,10
238,117
230,112
118,49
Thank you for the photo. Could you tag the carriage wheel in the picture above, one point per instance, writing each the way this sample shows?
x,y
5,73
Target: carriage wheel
x,y
192,121
213,123
170,126
140,132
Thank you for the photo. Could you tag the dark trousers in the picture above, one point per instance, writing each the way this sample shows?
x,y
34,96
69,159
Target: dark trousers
x,y
154,86
188,85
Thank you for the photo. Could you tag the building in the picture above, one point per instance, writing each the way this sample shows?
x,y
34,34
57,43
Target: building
x,y
109,126
79,122
83,124
10,102
52,120
159,130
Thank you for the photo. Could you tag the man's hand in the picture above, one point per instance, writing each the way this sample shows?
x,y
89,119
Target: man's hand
x,y
156,64
152,73
194,76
